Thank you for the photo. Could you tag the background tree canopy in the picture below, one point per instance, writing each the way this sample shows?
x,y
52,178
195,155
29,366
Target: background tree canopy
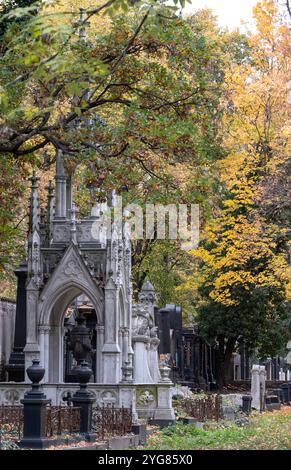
x,y
168,110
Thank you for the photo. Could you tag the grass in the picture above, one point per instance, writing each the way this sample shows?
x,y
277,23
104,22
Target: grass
x,y
266,431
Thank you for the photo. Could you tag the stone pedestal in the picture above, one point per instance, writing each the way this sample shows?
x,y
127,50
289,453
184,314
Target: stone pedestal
x,y
164,412
84,400
35,411
154,402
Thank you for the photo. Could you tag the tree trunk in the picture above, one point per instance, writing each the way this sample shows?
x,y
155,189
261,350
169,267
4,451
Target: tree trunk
x,y
225,350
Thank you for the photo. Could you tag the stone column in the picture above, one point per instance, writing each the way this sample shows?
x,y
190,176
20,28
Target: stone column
x,y
46,352
44,349
99,347
111,349
32,349
124,334
16,364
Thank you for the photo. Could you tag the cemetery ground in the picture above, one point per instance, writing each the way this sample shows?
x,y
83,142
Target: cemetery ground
x,y
261,431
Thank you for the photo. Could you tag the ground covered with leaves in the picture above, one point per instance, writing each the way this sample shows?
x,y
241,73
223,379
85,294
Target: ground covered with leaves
x,y
266,431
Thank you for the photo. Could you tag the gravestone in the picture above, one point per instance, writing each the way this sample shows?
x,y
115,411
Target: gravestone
x,y
258,387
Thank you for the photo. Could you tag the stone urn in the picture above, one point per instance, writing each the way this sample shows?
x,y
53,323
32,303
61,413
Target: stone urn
x,y
83,373
35,372
165,373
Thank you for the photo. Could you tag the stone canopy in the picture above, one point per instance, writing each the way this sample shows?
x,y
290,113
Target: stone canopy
x,y
68,258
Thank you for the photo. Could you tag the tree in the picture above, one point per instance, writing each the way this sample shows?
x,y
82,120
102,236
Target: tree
x,y
150,126
243,284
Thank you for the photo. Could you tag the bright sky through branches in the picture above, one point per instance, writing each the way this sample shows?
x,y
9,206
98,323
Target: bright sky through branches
x,y
229,12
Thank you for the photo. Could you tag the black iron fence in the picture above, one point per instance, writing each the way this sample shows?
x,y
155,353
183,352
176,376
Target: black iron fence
x,y
108,420
203,408
60,420
11,421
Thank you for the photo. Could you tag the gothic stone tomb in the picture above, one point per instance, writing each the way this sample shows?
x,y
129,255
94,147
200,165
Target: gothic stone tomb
x,y
78,285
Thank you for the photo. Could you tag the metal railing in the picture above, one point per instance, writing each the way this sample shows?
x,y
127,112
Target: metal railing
x,y
203,408
62,420
108,420
11,420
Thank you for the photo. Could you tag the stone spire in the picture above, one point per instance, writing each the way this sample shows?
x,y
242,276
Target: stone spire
x,y
34,261
61,190
34,213
50,208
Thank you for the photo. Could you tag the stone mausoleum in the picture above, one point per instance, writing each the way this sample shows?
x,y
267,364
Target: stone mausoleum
x,y
74,303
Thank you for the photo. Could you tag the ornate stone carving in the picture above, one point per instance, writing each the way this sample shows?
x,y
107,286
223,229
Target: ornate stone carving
x,y
84,233
72,268
11,397
61,233
108,397
146,398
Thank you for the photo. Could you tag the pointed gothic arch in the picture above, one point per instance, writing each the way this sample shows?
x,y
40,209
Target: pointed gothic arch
x,y
70,279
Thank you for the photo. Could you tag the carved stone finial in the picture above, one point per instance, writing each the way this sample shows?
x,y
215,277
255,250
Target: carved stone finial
x,y
50,189
34,214
147,294
34,179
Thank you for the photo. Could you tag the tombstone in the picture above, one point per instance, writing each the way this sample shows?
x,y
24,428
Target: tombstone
x,y
258,387
262,374
281,374
273,402
246,404
285,392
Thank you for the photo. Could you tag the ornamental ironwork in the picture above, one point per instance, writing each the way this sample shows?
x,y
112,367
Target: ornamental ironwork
x,y
108,420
